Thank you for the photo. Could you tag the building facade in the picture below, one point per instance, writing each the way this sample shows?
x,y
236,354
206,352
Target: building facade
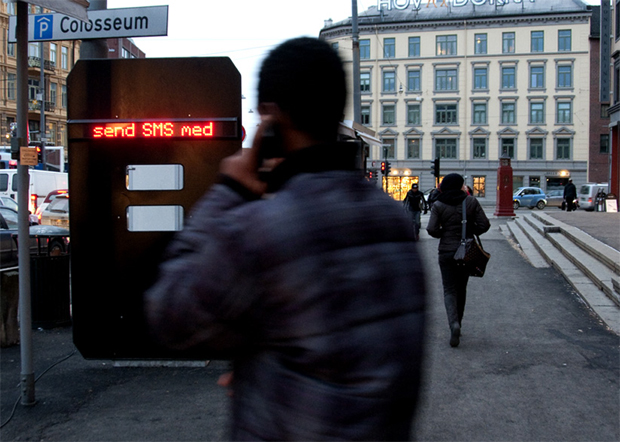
x,y
614,109
470,81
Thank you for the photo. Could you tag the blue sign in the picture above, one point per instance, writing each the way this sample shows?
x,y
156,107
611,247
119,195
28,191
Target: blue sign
x,y
43,26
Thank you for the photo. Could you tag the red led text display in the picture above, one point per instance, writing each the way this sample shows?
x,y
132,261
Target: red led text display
x,y
196,129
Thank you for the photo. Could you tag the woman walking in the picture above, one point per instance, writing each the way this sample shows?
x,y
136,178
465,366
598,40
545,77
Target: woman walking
x,y
445,223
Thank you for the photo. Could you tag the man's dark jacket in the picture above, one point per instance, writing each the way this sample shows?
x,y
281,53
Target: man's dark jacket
x,y
317,292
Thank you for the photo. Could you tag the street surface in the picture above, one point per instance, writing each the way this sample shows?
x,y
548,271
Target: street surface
x,y
533,365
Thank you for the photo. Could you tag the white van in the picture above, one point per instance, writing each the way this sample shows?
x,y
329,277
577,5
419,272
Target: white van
x,y
42,182
587,194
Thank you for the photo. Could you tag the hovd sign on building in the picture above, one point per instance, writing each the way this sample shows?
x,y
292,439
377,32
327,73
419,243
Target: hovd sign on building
x,y
418,4
107,23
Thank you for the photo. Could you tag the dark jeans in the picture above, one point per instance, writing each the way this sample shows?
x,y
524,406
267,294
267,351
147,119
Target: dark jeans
x,y
454,280
415,218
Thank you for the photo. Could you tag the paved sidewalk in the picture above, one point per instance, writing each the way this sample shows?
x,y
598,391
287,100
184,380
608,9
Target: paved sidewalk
x,y
534,364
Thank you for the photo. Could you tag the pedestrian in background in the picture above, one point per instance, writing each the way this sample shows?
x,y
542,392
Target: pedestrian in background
x,y
446,223
570,195
316,292
414,203
432,197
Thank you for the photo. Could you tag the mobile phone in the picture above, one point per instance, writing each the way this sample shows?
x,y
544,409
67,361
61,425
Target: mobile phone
x,y
271,143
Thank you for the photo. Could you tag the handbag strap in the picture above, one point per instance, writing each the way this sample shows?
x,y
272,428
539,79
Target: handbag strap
x,y
464,222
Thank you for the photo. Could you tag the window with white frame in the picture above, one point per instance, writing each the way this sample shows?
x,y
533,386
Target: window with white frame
x,y
564,113
508,112
562,149
365,81
413,114
445,148
413,148
53,53
479,148
11,86
536,146
446,79
446,113
389,81
508,42
564,40
64,57
414,46
365,114
364,49
480,44
388,114
537,112
537,77
414,80
446,45
63,95
53,93
479,114
538,41
33,50
389,47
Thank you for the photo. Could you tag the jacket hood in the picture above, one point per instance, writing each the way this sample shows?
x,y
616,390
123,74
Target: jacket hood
x,y
452,197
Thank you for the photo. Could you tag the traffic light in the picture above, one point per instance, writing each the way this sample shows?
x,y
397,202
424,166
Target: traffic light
x,y
383,167
388,168
435,167
39,154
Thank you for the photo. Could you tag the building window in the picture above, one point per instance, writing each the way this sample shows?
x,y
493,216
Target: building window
x,y
604,143
389,147
446,114
479,186
446,45
63,96
508,147
537,113
446,80
414,46
33,50
564,112
11,86
604,110
334,47
365,114
389,48
481,78
365,49
413,80
365,81
33,88
509,77
389,115
10,47
413,148
53,52
480,113
508,113
10,8
64,57
564,40
479,148
389,81
508,42
536,148
480,43
413,114
537,77
53,93
562,149
565,76
538,41
445,148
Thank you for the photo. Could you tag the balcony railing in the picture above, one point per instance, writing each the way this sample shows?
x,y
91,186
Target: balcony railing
x,y
35,62
35,105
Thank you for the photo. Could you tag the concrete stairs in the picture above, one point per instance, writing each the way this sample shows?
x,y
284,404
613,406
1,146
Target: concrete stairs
x,y
591,267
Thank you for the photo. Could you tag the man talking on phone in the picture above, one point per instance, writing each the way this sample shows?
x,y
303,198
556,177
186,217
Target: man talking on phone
x,y
316,292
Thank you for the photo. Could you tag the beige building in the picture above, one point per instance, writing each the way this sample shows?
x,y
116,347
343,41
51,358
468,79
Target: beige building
x,y
58,59
470,81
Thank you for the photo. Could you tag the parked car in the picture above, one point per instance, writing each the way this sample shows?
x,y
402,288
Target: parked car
x,y
43,239
46,202
555,198
587,195
5,201
57,212
529,197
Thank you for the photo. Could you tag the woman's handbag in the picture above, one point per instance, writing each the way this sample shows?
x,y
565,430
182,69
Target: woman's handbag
x,y
470,253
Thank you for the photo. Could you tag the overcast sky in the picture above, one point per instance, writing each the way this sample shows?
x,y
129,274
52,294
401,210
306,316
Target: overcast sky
x,y
244,30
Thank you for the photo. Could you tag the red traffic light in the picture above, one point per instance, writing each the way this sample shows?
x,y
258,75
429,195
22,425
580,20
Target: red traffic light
x,y
382,166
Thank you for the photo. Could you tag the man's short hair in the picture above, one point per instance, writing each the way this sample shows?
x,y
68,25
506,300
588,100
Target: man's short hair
x,y
305,78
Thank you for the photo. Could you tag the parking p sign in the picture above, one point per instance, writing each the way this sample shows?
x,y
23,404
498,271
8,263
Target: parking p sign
x,y
43,27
